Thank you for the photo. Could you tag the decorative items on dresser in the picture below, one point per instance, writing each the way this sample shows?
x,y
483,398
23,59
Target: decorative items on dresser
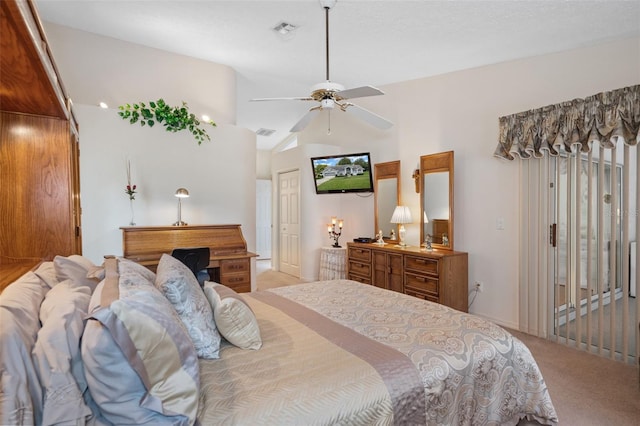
x,y
440,276
229,261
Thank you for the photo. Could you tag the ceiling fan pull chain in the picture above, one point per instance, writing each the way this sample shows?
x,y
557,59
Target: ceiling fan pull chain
x,y
329,124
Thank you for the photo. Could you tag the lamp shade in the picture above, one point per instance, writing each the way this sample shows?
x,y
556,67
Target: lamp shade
x,y
182,193
401,214
425,219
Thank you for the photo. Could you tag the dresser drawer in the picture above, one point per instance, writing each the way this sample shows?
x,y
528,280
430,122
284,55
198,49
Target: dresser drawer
x,y
229,266
421,283
424,296
357,253
422,264
360,279
358,268
240,282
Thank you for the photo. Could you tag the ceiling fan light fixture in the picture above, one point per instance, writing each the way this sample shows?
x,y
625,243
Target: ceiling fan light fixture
x,y
328,4
327,103
330,95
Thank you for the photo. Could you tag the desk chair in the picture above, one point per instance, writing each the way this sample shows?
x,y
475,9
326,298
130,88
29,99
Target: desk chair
x,y
196,259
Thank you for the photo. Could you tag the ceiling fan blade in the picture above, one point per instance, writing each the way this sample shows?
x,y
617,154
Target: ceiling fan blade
x,y
359,92
368,116
305,120
306,98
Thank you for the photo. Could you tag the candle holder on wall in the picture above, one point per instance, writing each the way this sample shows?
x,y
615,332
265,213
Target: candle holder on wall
x,y
333,233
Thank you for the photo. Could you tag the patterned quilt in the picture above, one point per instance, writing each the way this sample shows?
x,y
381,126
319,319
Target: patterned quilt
x,y
341,352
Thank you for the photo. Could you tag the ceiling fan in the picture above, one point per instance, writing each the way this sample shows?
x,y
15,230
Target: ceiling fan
x,y
332,95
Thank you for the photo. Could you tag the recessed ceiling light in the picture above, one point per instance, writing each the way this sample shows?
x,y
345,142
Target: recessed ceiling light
x,y
206,118
103,105
284,28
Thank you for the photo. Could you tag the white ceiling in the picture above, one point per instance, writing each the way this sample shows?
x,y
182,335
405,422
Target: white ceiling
x,y
371,42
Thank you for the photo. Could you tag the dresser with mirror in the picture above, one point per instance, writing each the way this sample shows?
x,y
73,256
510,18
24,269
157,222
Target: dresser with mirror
x,y
438,274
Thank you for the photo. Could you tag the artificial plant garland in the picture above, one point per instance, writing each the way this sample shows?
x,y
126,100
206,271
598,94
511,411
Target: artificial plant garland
x,y
173,119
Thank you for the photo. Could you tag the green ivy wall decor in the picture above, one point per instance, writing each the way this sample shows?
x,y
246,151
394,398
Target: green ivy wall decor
x,y
173,119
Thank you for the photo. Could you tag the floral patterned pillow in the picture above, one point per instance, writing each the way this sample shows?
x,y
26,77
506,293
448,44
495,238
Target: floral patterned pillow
x,y
181,288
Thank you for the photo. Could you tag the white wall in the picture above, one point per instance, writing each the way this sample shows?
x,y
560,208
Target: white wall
x,y
220,175
316,210
221,185
95,68
459,111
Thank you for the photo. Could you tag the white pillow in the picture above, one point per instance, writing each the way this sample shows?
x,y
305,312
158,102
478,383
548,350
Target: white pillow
x,y
234,318
56,353
75,268
47,273
20,391
178,284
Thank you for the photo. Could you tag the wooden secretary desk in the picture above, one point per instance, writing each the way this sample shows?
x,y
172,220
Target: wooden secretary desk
x,y
229,261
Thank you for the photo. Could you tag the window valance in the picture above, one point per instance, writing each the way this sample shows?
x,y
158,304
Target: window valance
x,y
605,117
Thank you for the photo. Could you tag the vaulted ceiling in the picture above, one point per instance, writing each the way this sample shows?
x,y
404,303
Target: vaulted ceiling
x,y
371,42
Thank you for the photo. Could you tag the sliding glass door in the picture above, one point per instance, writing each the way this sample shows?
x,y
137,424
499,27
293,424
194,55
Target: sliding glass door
x,y
588,256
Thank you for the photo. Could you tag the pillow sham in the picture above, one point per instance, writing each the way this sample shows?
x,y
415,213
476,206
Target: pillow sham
x,y
178,284
139,342
56,354
133,274
233,316
20,393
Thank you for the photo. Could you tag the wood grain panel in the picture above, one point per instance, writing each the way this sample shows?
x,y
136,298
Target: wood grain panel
x,y
35,174
11,269
25,85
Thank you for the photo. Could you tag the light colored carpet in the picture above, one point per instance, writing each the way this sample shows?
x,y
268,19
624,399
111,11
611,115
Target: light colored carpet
x,y
267,278
586,389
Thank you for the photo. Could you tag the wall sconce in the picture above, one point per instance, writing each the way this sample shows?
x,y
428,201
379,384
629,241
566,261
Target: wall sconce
x,y
401,215
180,194
416,179
333,234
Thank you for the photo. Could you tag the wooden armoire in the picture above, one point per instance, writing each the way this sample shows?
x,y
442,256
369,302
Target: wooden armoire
x,y
39,155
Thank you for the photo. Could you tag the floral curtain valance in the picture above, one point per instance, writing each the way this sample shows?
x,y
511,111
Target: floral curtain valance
x,y
605,117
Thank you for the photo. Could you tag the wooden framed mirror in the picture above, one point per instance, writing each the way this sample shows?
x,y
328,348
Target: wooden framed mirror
x,y
436,199
386,190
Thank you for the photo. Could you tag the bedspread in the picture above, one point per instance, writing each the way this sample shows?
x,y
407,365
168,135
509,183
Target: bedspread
x,y
384,358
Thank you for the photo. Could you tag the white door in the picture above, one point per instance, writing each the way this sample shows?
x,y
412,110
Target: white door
x,y
263,218
289,222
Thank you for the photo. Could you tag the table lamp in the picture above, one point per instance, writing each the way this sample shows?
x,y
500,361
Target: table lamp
x,y
401,215
180,194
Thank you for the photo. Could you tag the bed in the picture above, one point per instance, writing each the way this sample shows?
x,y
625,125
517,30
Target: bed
x,y
138,350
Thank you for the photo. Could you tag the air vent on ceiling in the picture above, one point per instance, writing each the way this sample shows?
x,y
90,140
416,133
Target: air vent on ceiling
x,y
284,28
264,132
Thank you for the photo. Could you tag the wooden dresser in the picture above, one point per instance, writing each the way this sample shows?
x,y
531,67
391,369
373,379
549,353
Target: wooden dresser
x,y
229,263
439,276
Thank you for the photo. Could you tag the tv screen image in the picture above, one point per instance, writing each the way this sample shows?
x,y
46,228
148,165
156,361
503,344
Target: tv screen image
x,y
342,173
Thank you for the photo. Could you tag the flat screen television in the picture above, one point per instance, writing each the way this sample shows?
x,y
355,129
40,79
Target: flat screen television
x,y
342,173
